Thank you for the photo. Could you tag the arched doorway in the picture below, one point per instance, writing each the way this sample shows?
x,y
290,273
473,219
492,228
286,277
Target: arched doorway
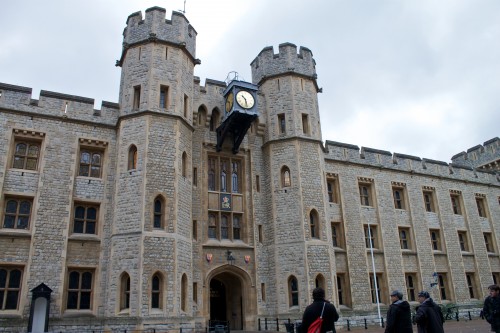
x,y
232,297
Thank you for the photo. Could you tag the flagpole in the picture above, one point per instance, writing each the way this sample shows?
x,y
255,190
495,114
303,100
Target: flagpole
x,y
374,273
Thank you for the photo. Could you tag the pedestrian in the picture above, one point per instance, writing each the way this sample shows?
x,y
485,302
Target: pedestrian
x,y
398,315
313,312
429,317
491,308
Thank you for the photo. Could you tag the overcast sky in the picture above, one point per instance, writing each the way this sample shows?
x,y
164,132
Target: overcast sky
x,y
418,77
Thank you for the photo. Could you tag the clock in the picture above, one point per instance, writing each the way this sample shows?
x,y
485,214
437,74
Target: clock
x,y
245,99
229,102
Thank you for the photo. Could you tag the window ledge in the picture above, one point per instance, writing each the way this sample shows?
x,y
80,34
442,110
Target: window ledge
x,y
23,171
226,243
492,254
78,313
467,254
124,312
89,178
374,250
439,252
339,249
156,312
14,314
84,237
408,251
15,233
367,207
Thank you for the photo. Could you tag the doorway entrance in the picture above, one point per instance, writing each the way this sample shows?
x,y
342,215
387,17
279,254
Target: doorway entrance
x,y
226,300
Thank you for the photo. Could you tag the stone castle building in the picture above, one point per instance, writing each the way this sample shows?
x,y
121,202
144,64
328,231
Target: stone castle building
x,y
130,217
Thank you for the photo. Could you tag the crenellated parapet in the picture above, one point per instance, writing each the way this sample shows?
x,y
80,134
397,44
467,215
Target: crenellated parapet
x,y
485,156
156,28
287,61
52,104
370,157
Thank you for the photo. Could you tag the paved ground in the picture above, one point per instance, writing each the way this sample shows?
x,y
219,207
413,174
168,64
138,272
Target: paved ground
x,y
462,326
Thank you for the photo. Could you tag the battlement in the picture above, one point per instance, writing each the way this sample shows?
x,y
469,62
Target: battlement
x,y
371,157
287,61
156,28
486,156
53,104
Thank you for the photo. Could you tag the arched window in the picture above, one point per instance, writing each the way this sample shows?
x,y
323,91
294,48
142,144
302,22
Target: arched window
x,y
184,164
235,186
320,282
90,163
211,174
223,175
184,292
314,224
156,291
132,157
285,177
293,291
224,227
236,227
26,155
159,213
202,115
214,120
212,226
124,292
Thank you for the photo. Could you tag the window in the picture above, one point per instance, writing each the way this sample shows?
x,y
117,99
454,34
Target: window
x,y
455,204
184,164
186,106
17,213
398,195
195,177
224,226
202,115
429,201
411,285
10,287
365,194
263,291
320,282
293,291
236,227
462,239
195,292
341,289
137,98
443,286
480,207
281,123
159,213
314,224
496,277
235,177
404,238
471,284
257,183
260,233
156,291
305,123
132,158
285,177
125,292
90,163
488,241
375,288
229,175
212,226
184,293
435,239
331,185
337,235
26,155
371,237
164,97
214,120
85,219
79,296
195,230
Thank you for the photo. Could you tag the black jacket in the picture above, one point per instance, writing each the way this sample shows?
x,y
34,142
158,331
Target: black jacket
x,y
429,317
491,311
399,318
313,311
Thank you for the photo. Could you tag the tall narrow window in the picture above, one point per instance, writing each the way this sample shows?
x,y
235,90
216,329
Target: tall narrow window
x,y
212,226
281,123
340,289
488,242
365,194
293,291
195,293
125,292
164,97
158,213
26,155
224,227
263,291
375,288
90,163
285,177
223,175
305,123
184,164
260,233
331,186
79,292
257,183
443,286
404,238
195,230
184,292
314,224
156,291
337,235
186,106
496,277
236,227
481,207
132,157
211,174
195,177
429,201
371,237
455,204
411,285
435,239
398,195
462,239
471,284
10,287
235,186
137,98
17,213
85,219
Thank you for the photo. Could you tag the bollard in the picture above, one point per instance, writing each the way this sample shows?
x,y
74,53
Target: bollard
x,y
366,325
277,325
470,318
180,330
382,321
260,328
456,315
348,325
265,324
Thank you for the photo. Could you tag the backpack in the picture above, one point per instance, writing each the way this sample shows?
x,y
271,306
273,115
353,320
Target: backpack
x,y
315,326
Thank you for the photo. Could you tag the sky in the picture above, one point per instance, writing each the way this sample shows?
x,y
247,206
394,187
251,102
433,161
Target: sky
x,y
417,77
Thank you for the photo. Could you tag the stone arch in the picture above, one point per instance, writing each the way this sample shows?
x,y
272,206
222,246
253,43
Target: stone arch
x,y
202,115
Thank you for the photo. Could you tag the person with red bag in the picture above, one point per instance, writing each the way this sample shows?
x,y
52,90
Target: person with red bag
x,y
320,316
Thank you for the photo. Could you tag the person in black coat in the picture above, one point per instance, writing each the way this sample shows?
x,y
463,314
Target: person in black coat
x,y
429,317
398,315
491,309
313,311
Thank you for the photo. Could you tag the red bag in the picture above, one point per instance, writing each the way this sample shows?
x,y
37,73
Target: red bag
x,y
315,326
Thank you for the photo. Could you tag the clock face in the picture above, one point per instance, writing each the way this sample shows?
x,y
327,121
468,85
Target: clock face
x,y
229,102
245,99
